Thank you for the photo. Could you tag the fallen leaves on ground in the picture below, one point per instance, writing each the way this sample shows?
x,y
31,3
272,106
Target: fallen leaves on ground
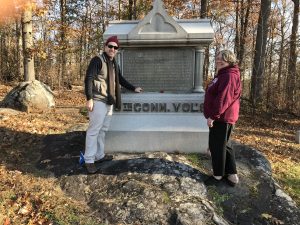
x,y
26,199
274,137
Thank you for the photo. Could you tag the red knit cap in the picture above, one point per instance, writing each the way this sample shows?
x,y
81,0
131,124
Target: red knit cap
x,y
112,39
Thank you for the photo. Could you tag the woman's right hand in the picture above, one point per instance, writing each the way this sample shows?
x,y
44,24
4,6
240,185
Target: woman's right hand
x,y
89,105
210,122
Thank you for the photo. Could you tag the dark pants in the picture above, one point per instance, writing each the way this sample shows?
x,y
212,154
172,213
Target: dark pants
x,y
222,155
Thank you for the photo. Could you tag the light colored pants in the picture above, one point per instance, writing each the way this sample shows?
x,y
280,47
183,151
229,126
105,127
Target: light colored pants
x,y
99,122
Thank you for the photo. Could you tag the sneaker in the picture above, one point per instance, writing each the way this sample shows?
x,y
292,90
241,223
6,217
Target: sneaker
x,y
91,168
105,158
232,179
208,152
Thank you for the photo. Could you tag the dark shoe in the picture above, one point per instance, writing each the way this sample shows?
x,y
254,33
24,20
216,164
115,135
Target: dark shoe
x,y
105,158
91,168
211,181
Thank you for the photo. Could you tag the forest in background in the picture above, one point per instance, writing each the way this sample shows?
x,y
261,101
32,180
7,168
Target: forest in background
x,y
264,34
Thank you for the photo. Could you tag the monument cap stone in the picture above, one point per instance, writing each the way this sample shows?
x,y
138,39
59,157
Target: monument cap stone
x,y
160,29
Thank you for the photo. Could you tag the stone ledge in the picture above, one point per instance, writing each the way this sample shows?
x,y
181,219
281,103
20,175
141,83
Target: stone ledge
x,y
120,141
168,132
171,122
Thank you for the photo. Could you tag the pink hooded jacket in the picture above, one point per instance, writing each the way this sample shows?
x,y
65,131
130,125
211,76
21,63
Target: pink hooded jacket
x,y
222,96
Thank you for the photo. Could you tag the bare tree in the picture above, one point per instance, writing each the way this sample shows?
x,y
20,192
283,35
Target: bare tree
x,y
260,53
130,11
244,26
237,29
291,80
29,74
63,44
269,73
203,14
19,55
203,9
281,64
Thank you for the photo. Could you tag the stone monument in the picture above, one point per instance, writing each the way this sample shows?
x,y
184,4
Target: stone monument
x,y
165,57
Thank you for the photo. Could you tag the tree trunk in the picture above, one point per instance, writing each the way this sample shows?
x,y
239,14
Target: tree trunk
x,y
19,56
63,43
291,80
104,17
203,14
1,54
134,10
119,10
269,100
244,27
203,9
237,30
29,74
130,6
281,58
83,41
260,53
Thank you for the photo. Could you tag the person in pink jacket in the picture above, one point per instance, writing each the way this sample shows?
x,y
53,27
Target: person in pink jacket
x,y
221,109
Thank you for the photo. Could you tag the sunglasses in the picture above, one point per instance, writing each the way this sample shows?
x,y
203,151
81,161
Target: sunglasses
x,y
112,46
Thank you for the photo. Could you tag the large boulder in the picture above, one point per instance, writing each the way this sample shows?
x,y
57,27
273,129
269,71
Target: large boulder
x,y
30,96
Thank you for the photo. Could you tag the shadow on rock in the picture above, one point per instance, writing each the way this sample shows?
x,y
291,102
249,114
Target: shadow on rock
x,y
60,154
61,157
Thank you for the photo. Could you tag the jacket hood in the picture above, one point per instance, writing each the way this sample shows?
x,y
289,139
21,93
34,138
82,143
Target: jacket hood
x,y
231,69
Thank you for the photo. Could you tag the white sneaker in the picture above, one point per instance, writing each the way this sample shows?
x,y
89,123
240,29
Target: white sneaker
x,y
217,177
233,179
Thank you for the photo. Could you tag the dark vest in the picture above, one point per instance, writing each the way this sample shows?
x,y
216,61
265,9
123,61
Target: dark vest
x,y
100,82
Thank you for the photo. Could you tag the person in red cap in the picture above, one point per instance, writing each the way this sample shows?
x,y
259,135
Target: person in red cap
x,y
102,89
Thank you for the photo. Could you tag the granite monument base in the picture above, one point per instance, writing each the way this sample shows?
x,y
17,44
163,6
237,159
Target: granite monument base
x,y
158,122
